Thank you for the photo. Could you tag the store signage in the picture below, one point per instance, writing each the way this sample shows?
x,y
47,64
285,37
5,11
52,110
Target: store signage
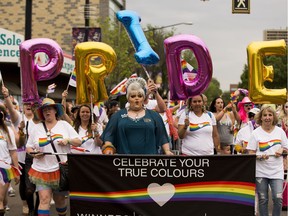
x,y
9,46
9,51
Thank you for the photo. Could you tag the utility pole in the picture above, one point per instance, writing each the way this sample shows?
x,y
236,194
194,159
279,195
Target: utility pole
x,y
86,17
28,19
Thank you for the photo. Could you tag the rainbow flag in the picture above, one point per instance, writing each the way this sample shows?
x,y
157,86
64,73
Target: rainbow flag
x,y
8,172
72,80
120,89
189,73
171,104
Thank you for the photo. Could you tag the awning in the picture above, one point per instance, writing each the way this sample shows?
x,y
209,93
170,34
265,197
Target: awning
x,y
13,88
57,95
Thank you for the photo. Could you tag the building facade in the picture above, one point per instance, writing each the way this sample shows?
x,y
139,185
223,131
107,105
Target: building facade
x,y
276,34
50,19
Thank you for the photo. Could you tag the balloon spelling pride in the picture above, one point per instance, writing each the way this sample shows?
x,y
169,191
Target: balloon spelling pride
x,y
31,72
180,89
144,53
90,78
259,73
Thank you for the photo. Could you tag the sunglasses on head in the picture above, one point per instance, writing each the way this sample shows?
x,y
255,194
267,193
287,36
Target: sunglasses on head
x,y
247,105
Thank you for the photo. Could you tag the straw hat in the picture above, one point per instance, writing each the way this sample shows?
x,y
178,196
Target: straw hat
x,y
46,103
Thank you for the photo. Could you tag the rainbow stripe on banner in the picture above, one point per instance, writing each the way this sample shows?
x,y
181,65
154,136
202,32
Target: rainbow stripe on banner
x,y
216,191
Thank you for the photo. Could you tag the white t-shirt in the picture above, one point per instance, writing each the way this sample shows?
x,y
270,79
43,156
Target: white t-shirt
x,y
38,140
151,105
198,139
244,134
88,142
5,147
102,117
268,143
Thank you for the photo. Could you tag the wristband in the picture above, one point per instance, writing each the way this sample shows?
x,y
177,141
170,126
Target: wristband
x,y
105,146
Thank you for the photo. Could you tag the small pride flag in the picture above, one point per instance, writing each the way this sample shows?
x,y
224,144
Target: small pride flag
x,y
120,89
189,73
72,80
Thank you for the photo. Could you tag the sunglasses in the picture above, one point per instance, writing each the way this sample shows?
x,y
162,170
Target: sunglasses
x,y
247,105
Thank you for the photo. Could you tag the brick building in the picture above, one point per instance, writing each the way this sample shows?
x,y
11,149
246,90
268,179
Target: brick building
x,y
50,19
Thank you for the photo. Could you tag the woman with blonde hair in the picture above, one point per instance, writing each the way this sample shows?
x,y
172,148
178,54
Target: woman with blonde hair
x,y
268,142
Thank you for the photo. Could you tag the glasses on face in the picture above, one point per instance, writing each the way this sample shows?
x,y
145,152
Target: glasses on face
x,y
247,105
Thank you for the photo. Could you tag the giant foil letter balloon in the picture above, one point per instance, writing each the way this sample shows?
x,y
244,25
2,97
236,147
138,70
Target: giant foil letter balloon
x,y
144,53
90,78
259,73
31,72
180,89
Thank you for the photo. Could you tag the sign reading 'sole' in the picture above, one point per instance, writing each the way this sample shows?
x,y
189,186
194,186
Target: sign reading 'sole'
x,y
9,45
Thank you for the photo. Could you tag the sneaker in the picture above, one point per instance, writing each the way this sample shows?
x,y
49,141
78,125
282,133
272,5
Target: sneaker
x,y
11,192
6,208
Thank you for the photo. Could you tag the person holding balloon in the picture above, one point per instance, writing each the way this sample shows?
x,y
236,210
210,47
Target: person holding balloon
x,y
268,142
87,130
50,136
156,103
135,130
197,129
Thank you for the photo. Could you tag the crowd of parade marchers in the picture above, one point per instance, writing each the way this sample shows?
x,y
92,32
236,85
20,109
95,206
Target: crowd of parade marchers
x,y
148,124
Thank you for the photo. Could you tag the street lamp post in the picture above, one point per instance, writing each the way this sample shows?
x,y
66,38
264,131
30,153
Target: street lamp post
x,y
167,26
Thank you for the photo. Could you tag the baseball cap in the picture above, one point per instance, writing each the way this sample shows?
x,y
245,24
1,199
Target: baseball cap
x,y
254,110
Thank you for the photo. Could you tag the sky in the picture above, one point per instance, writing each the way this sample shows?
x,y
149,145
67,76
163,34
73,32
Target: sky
x,y
226,35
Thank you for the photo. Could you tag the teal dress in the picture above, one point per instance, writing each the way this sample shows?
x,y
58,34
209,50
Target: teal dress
x,y
141,136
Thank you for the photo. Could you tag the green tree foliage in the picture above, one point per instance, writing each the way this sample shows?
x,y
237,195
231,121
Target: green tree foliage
x,y
115,35
213,90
